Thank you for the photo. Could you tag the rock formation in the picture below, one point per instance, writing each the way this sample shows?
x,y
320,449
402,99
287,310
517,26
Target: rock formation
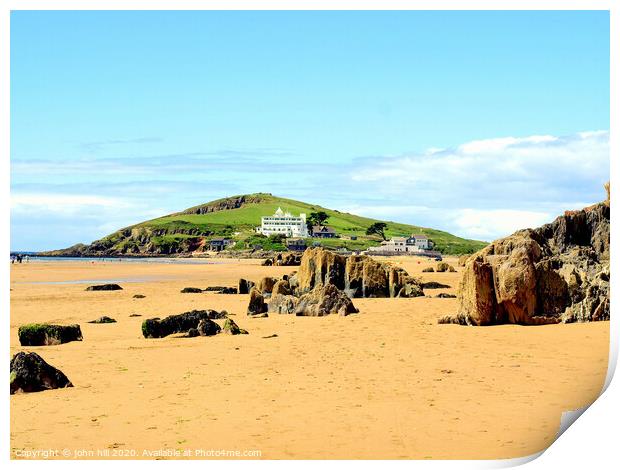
x,y
30,373
443,267
265,285
257,305
556,273
104,287
231,328
103,319
181,323
207,327
191,290
43,334
325,300
245,286
288,258
358,276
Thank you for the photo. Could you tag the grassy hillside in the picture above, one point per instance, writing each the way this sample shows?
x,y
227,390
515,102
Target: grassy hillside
x,y
237,216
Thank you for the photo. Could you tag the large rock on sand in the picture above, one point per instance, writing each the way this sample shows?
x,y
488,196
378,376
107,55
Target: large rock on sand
x,y
265,285
325,300
181,323
257,305
282,303
43,334
104,287
359,276
245,286
556,273
30,373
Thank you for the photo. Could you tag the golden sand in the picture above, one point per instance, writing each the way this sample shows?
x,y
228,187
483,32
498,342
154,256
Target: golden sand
x,y
388,383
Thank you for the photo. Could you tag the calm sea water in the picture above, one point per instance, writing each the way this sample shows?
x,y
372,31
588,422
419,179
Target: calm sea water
x,y
58,259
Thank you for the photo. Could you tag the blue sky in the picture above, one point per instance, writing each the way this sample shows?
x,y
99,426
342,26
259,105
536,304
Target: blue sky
x,y
478,123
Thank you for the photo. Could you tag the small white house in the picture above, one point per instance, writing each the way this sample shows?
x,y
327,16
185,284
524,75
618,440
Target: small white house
x,y
283,223
413,244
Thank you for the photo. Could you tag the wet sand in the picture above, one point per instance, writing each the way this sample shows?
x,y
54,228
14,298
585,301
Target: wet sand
x,y
388,383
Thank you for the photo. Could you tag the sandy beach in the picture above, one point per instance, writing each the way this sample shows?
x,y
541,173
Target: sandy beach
x,y
388,383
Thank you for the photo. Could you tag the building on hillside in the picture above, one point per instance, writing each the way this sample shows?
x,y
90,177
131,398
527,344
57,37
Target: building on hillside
x,y
323,231
421,241
219,244
415,244
296,244
283,223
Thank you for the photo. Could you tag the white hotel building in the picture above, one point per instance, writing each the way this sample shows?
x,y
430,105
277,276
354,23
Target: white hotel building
x,y
283,223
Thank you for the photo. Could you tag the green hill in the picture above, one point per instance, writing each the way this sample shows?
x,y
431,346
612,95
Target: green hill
x,y
236,218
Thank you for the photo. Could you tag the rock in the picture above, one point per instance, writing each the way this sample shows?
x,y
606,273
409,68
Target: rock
x,y
556,273
325,300
444,267
463,259
281,287
103,319
30,373
135,315
428,270
257,303
231,328
444,295
410,290
265,285
139,296
181,323
434,285
281,303
207,327
192,333
42,334
104,287
245,286
221,289
358,275
191,290
267,262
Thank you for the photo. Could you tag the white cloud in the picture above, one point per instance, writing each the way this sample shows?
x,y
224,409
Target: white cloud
x,y
488,188
66,204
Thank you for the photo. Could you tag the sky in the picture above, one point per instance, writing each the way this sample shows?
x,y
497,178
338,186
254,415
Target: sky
x,y
477,123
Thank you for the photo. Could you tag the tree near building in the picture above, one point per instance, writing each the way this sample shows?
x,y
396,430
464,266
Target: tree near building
x,y
378,228
316,218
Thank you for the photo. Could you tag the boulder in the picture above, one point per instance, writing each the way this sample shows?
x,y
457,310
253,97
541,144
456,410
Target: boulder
x,y
410,290
281,287
281,303
556,273
429,269
139,296
43,334
325,300
245,286
191,290
104,287
181,323
320,267
207,327
192,333
221,289
257,305
103,319
444,295
231,328
265,285
30,373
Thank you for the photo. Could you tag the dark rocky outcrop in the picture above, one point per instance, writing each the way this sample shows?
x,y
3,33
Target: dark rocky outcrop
x,y
325,300
139,296
191,290
281,287
358,275
231,328
103,319
181,323
43,334
284,259
434,285
429,269
257,305
30,373
104,287
207,327
556,273
245,286
444,295
221,289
